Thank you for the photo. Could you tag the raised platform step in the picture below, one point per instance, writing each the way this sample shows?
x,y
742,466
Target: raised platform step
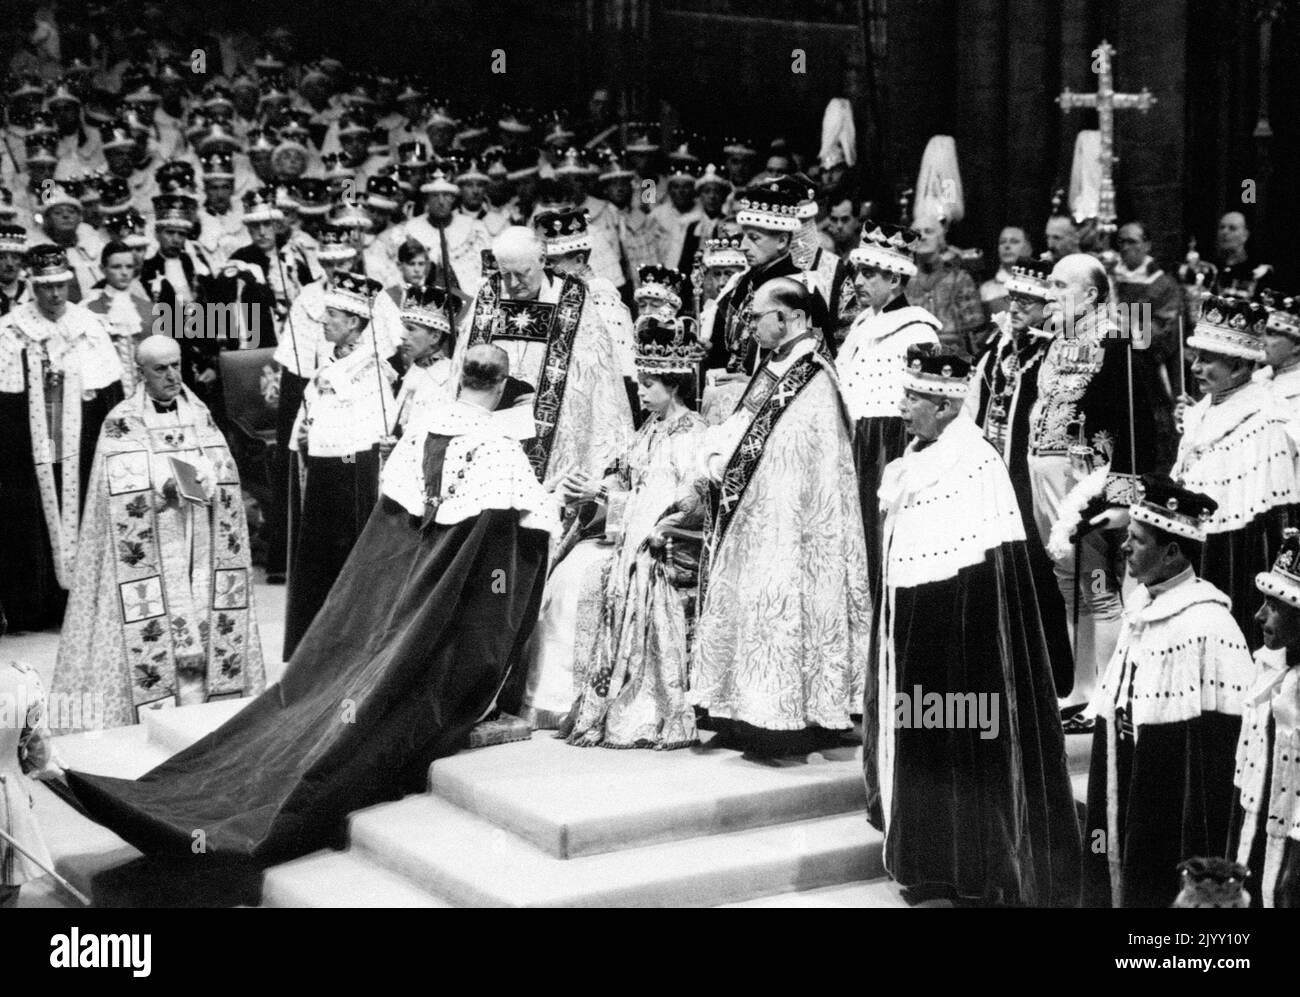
x,y
573,802
176,729
882,892
81,849
470,862
341,879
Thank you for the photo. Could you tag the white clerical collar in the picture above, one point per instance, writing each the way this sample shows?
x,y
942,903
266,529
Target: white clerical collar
x,y
801,348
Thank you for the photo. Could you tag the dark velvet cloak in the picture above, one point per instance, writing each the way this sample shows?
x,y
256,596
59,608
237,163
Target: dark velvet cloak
x,y
406,655
876,441
1174,803
29,588
993,819
337,499
1286,887
1230,561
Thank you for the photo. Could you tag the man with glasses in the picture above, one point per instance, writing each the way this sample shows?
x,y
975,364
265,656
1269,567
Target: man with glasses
x,y
783,545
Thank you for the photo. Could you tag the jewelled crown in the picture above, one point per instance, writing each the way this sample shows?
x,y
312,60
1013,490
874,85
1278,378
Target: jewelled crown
x,y
1283,315
1283,581
13,239
1230,327
1167,505
723,252
772,205
260,206
711,176
174,177
936,371
47,264
563,231
891,248
667,346
335,244
177,211
427,305
383,192
1029,278
439,183
217,164
642,137
312,195
353,293
658,283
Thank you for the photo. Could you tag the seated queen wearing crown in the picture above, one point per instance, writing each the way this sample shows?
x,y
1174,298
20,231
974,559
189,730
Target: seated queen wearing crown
x,y
612,634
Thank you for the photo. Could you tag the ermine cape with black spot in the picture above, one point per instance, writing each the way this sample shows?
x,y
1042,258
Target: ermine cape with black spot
x,y
1177,679
408,652
973,795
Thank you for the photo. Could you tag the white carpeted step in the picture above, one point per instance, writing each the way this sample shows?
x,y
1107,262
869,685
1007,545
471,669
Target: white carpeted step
x,y
468,861
81,849
882,892
122,752
177,728
572,802
340,879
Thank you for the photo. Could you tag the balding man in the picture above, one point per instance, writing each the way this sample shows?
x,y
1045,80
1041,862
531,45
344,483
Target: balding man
x,y
1239,275
549,328
161,611
1087,440
785,612
1062,236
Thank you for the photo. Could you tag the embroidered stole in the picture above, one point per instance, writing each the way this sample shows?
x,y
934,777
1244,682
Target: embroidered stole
x,y
535,321
180,593
769,398
60,502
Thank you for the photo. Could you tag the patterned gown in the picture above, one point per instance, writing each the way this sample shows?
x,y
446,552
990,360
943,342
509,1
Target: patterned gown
x,y
634,669
594,615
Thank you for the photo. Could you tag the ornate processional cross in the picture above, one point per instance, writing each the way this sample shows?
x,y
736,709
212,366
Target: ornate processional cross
x,y
1106,101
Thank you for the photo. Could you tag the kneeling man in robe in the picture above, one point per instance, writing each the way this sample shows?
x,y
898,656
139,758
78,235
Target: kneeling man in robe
x,y
161,611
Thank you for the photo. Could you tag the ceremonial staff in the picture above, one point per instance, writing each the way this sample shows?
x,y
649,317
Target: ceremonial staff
x,y
85,900
379,374
288,318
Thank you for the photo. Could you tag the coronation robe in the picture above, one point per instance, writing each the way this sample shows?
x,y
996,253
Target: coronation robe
x,y
1241,453
871,367
1285,385
407,654
975,800
1004,387
559,344
1163,751
784,614
1266,819
57,382
301,351
347,407
157,581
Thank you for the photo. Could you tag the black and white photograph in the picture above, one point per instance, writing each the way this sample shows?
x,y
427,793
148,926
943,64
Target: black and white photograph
x,y
650,453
